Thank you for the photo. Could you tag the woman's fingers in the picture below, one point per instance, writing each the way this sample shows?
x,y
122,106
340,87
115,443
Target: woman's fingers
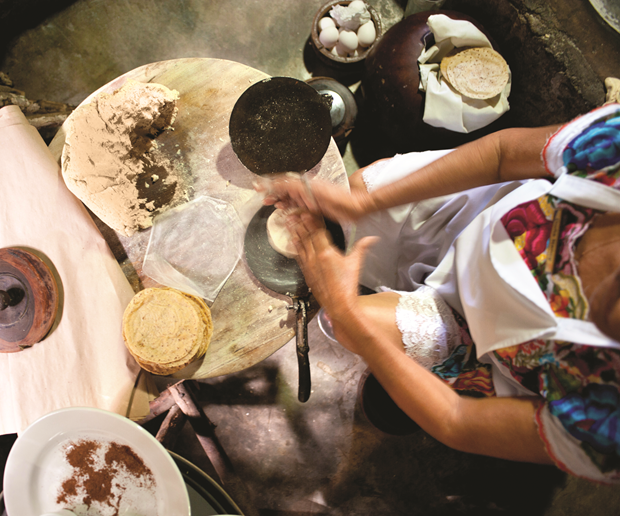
x,y
287,191
290,190
309,234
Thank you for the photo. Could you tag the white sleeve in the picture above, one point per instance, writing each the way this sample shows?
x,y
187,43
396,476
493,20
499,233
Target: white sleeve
x,y
566,451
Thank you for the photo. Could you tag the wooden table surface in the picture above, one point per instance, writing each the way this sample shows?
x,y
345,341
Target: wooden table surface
x,y
250,321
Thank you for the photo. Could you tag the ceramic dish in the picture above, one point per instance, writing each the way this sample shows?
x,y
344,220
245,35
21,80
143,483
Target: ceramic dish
x,y
37,467
206,496
609,10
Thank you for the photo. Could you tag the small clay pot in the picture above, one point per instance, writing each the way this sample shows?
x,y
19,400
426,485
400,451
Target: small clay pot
x,y
325,54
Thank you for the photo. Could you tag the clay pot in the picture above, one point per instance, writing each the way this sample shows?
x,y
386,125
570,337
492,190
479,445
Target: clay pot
x,y
393,105
325,54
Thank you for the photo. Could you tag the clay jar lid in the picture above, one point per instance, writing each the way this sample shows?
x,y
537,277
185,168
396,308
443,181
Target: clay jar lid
x,y
280,125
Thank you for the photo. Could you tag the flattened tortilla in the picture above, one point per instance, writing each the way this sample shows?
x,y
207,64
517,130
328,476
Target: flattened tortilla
x,y
476,72
279,236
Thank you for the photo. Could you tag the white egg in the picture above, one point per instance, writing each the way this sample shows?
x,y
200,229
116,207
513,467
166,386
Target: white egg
x,y
341,50
326,22
348,39
329,37
367,34
357,5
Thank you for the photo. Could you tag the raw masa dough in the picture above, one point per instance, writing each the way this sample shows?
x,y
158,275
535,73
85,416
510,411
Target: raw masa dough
x,y
111,160
278,234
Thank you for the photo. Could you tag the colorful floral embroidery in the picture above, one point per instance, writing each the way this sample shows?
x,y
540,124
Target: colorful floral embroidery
x,y
595,152
529,225
462,371
593,417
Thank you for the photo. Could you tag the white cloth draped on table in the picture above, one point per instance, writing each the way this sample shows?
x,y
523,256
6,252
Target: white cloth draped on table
x,y
83,361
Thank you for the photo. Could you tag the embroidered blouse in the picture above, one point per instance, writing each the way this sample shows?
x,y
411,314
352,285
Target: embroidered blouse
x,y
580,384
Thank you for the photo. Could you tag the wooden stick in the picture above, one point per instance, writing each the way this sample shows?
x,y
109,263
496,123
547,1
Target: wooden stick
x,y
158,406
205,432
171,427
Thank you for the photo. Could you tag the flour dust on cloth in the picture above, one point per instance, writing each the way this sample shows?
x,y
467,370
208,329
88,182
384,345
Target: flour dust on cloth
x,y
83,361
444,106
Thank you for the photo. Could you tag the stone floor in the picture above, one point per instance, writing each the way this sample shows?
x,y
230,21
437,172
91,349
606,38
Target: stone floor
x,y
321,457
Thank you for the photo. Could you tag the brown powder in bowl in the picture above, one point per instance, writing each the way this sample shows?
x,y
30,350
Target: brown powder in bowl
x,y
102,476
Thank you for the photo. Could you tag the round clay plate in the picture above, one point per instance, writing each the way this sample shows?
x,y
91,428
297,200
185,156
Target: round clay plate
x,y
280,125
609,10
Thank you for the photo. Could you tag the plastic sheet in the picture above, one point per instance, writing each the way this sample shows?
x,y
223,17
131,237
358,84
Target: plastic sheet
x,y
195,247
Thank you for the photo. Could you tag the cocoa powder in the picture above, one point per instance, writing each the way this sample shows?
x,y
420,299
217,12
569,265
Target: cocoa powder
x,y
95,476
124,456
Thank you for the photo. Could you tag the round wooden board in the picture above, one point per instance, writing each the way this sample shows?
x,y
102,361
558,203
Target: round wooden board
x,y
250,321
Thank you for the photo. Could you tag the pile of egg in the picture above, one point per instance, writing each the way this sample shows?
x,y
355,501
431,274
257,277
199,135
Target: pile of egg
x,y
348,30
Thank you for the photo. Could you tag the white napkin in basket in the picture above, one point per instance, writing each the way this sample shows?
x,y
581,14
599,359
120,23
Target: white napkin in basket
x,y
444,106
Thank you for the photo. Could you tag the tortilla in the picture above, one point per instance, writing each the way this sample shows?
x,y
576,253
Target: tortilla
x,y
166,329
476,72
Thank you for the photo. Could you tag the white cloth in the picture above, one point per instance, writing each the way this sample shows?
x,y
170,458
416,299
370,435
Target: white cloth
x,y
416,237
443,105
83,362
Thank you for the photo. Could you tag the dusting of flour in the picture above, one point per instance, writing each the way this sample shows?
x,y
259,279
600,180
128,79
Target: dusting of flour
x,y
111,160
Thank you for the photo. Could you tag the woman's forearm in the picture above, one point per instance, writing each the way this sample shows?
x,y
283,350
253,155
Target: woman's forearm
x,y
507,155
498,427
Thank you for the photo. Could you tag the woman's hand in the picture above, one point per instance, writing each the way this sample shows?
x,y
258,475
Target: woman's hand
x,y
332,276
319,197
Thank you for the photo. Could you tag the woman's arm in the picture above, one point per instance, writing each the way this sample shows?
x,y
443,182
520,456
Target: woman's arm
x,y
499,427
507,155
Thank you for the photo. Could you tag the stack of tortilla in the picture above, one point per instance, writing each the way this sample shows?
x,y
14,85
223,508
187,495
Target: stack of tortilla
x,y
476,72
166,329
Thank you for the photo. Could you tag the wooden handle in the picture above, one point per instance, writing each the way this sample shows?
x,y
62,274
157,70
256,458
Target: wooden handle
x,y
302,351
